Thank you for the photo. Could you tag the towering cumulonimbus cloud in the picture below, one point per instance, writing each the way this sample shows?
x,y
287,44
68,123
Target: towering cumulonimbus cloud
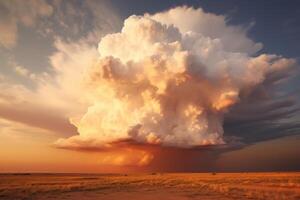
x,y
169,78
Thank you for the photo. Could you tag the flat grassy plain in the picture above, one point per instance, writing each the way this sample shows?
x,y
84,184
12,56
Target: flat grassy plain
x,y
165,186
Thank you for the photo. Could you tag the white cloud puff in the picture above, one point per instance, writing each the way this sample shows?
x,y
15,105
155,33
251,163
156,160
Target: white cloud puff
x,y
167,80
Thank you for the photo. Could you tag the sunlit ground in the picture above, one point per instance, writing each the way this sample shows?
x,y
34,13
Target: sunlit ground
x,y
151,186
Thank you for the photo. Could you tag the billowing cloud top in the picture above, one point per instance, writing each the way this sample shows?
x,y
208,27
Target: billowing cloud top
x,y
168,79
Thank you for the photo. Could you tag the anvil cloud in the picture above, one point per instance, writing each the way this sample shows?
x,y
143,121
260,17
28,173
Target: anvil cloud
x,y
168,79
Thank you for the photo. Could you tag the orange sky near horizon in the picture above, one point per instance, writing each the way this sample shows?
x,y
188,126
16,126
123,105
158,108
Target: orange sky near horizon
x,y
33,152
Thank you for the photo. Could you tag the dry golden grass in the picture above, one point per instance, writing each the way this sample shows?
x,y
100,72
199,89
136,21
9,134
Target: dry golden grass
x,y
151,186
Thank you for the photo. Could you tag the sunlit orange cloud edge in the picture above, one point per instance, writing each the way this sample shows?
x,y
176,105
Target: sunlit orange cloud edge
x,y
134,156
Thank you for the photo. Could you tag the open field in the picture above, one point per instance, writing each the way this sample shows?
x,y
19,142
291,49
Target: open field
x,y
202,186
